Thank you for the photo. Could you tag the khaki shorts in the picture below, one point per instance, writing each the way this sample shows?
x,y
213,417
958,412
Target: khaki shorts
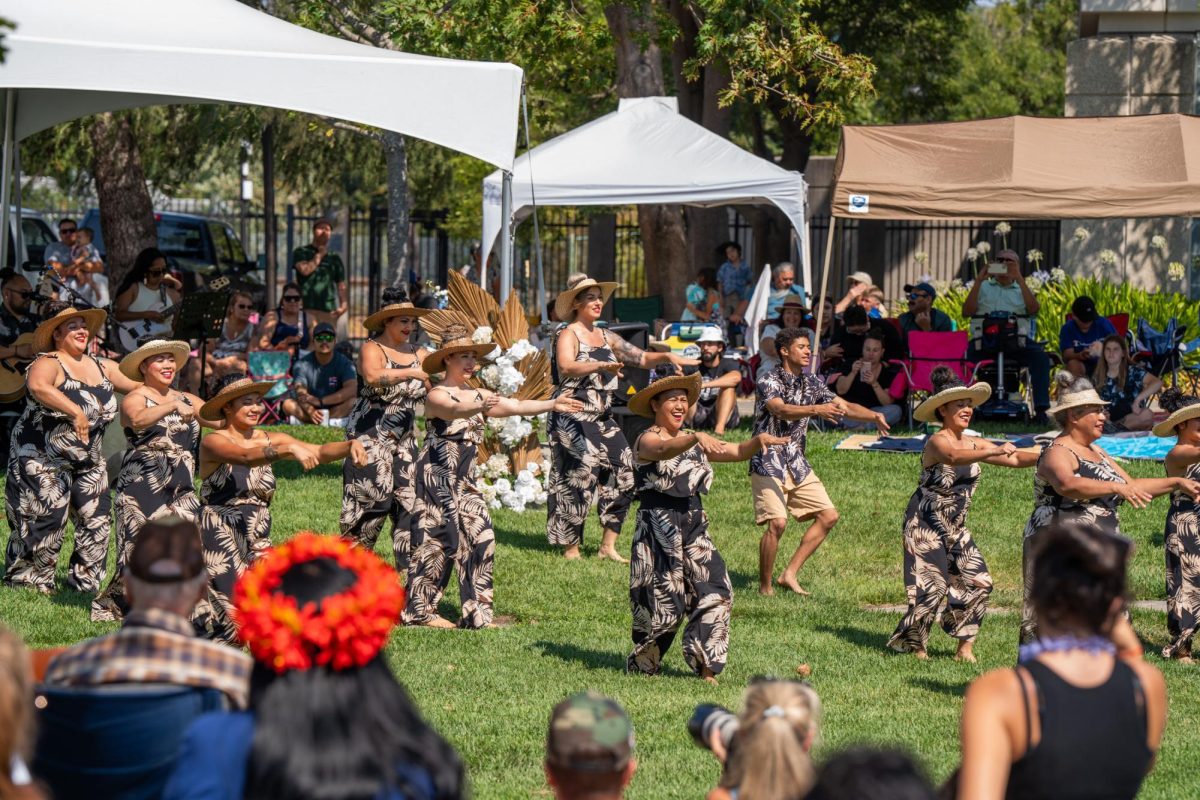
x,y
776,499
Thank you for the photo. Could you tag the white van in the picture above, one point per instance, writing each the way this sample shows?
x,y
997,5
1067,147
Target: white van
x,y
36,234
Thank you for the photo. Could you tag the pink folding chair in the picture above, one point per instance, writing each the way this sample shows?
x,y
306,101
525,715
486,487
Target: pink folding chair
x,y
928,350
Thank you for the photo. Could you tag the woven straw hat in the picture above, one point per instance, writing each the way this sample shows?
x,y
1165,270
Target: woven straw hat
x,y
1086,397
977,393
576,285
212,409
376,321
456,339
640,402
130,363
1178,417
43,336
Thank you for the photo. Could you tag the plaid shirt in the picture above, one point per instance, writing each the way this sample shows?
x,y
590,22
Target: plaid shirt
x,y
794,390
154,646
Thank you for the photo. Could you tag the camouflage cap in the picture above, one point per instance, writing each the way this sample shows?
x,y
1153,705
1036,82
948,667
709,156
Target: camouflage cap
x,y
589,732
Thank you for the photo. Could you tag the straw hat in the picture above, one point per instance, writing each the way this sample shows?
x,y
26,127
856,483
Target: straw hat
x,y
1084,397
640,402
130,363
455,339
977,393
576,285
376,321
1178,417
43,336
212,409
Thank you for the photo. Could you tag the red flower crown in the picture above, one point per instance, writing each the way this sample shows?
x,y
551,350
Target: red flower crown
x,y
347,630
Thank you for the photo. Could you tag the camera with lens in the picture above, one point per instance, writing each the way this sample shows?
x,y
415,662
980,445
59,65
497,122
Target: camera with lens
x,y
708,719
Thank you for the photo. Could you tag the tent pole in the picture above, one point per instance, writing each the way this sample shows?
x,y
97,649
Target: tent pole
x,y
10,101
537,238
18,205
812,367
506,252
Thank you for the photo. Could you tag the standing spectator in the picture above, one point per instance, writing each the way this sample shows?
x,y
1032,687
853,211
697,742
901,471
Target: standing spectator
x,y
872,384
703,301
791,315
321,275
16,718
1008,292
288,327
921,315
1075,718
716,408
324,382
735,279
857,285
853,333
90,280
15,320
1081,338
1125,386
589,748
58,254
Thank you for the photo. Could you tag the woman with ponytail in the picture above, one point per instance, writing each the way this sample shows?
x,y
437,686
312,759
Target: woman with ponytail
x,y
769,756
942,564
1181,540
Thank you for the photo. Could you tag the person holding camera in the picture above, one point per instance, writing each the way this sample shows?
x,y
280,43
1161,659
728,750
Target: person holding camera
x,y
677,573
1000,286
765,749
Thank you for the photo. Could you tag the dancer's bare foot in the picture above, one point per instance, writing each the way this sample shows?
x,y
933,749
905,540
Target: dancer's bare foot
x,y
572,553
766,591
921,655
439,622
708,677
965,653
789,582
610,554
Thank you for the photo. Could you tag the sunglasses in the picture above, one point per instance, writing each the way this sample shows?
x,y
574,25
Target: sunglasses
x,y
243,307
324,337
291,298
65,231
917,295
20,292
156,273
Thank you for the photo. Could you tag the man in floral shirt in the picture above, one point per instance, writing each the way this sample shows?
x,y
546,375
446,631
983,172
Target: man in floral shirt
x,y
781,477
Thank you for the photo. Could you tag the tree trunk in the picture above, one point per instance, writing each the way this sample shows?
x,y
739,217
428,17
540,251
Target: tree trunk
x,y
398,212
640,74
126,211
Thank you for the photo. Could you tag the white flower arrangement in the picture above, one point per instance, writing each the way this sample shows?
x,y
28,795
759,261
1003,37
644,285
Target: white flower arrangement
x,y
520,349
984,248
1081,234
511,431
482,335
1176,271
920,257
1057,275
1108,257
1159,243
520,493
502,377
1034,256
1002,229
495,467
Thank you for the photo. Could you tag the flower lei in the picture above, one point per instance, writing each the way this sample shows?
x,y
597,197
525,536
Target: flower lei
x,y
347,630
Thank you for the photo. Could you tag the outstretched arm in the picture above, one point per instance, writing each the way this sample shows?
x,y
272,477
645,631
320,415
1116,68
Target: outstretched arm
x,y
443,405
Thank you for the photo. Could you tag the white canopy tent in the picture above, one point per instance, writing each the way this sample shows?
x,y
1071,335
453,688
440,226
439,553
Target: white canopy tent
x,y
68,59
644,152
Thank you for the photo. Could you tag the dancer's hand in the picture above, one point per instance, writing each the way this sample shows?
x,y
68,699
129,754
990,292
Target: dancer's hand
x,y
306,455
710,445
766,440
185,410
490,402
1006,449
358,453
567,405
1138,498
882,424
80,422
1189,486
830,412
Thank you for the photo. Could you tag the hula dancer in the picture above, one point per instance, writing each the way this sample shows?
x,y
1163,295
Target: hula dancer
x,y
782,479
677,575
1181,540
589,457
391,382
942,564
454,528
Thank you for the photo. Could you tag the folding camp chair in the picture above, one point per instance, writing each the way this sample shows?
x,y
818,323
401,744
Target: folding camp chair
x,y
928,350
1160,351
272,365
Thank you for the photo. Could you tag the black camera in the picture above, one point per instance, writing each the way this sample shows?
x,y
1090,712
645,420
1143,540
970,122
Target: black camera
x,y
708,719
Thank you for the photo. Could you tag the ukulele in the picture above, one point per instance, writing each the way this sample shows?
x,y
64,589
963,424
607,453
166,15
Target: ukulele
x,y
12,372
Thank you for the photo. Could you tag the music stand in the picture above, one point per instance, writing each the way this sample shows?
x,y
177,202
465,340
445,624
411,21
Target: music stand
x,y
202,316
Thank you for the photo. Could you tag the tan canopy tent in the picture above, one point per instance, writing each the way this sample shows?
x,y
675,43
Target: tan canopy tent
x,y
1018,168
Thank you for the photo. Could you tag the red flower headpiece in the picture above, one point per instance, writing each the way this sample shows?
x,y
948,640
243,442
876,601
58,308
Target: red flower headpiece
x,y
347,629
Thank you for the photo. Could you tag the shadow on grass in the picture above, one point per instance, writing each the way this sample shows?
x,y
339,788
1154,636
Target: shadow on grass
x,y
950,688
860,637
535,542
72,599
594,659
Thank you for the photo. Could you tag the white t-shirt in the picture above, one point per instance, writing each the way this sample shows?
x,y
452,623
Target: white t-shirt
x,y
768,360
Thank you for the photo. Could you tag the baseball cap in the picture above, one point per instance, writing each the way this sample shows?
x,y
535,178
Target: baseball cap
x,y
862,277
711,333
1004,255
1084,309
323,327
167,550
921,287
589,733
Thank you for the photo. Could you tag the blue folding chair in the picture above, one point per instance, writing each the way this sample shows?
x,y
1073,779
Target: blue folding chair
x,y
1160,350
114,741
272,365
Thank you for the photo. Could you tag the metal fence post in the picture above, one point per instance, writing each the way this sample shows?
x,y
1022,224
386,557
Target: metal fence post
x,y
291,238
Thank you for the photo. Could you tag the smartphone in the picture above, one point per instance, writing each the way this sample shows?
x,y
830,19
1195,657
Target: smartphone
x,y
997,268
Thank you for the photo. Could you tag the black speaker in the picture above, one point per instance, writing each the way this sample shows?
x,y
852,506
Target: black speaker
x,y
633,379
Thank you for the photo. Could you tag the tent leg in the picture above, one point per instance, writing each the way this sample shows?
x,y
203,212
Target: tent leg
x,y
506,252
10,102
18,204
824,288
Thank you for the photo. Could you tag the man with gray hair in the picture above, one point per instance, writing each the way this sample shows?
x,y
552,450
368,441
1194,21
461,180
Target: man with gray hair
x,y
165,578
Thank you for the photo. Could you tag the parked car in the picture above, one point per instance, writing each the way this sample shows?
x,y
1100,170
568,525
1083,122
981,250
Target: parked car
x,y
198,249
36,233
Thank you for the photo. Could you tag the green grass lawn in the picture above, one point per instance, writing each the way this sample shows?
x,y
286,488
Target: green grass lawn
x,y
490,692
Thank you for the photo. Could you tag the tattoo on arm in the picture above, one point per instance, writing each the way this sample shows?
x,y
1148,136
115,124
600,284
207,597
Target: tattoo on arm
x,y
270,453
388,380
628,353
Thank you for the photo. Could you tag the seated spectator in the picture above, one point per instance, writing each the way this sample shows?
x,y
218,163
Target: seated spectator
x,y
791,315
864,773
1126,386
1077,718
88,267
1081,336
857,285
16,718
874,301
716,409
165,579
589,748
768,756
783,286
873,384
145,299
326,714
288,327
921,315
855,324
324,382
228,354
831,327
1008,292
702,299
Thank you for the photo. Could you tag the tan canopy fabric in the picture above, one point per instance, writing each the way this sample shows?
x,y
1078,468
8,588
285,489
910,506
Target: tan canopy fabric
x,y
1021,168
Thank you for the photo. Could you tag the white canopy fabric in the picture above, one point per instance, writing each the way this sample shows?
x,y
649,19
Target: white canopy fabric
x,y
69,59
644,152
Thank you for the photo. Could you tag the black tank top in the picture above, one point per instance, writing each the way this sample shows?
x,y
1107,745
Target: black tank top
x,y
1093,741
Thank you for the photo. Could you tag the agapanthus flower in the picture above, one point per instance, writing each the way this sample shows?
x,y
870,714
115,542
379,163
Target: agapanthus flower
x,y
983,247
1175,271
1034,256
1081,234
1108,257
1003,229
1159,243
